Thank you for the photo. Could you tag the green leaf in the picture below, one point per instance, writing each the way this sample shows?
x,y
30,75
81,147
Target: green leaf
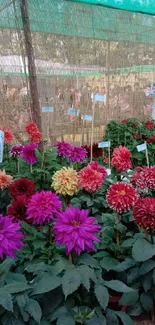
x,y
15,277
108,263
6,301
66,320
142,250
86,274
146,301
14,288
125,319
128,243
97,321
136,309
46,284
129,298
33,308
147,267
5,267
111,318
9,319
133,275
60,266
117,286
89,260
124,265
71,281
102,295
101,254
22,300
147,281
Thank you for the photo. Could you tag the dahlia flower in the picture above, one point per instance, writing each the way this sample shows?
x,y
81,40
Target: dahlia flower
x,y
97,152
31,128
77,154
36,137
94,165
121,197
17,208
144,178
90,179
5,180
149,125
76,230
8,136
121,159
144,213
64,149
125,121
16,150
138,137
22,187
43,207
10,237
28,153
65,181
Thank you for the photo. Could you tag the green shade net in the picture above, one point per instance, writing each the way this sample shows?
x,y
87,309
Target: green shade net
x,y
76,19
142,6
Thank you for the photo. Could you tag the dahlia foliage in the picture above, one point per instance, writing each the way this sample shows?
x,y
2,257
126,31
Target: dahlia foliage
x,y
76,230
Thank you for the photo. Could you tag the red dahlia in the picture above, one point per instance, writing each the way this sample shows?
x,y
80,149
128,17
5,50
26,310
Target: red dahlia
x,y
144,178
125,121
149,125
121,159
22,187
144,213
121,197
36,137
138,137
8,136
31,128
17,208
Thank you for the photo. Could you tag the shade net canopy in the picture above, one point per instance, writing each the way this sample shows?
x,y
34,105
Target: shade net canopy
x,y
75,18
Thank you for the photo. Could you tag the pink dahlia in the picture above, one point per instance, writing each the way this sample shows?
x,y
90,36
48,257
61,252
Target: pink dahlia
x,y
10,237
28,153
77,154
43,207
90,180
121,197
16,150
64,149
144,213
94,165
144,178
76,230
121,159
138,179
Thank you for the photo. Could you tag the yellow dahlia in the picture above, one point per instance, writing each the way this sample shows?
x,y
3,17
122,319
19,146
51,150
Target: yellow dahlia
x,y
5,180
65,181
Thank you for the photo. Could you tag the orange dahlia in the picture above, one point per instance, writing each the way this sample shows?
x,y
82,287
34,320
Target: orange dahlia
x,y
65,181
5,180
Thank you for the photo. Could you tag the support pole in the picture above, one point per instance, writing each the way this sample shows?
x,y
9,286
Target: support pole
x,y
107,77
36,114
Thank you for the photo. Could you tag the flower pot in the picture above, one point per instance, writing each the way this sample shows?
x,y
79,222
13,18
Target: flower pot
x,y
114,303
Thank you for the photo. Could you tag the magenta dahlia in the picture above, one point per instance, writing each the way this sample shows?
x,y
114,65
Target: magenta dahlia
x,y
76,230
43,207
16,150
10,237
121,197
64,149
77,154
28,153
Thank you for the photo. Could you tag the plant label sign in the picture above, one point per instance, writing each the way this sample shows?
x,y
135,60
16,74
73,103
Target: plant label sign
x,y
87,117
108,171
105,144
141,147
1,145
152,90
73,112
99,98
47,109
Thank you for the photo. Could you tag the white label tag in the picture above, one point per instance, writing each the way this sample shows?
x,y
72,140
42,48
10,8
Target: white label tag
x,y
1,145
141,147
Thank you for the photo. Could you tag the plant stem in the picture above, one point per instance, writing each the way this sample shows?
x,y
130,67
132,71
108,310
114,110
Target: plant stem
x,y
70,258
146,234
117,232
50,234
31,171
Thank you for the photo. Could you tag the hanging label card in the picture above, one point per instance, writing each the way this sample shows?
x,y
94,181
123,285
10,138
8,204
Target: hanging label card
x,y
141,147
99,98
108,171
1,145
152,90
73,112
47,109
87,117
105,144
